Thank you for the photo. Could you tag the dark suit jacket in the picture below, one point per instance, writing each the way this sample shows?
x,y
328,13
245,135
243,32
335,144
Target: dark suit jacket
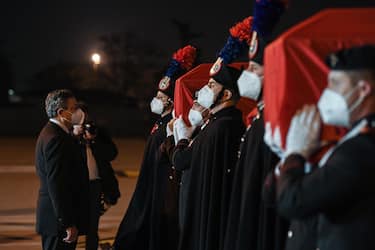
x,y
341,195
63,193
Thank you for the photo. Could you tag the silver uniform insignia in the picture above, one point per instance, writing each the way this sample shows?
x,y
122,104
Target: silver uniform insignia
x,y
164,83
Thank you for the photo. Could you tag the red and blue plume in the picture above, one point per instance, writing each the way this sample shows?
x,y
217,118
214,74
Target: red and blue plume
x,y
182,60
266,14
238,41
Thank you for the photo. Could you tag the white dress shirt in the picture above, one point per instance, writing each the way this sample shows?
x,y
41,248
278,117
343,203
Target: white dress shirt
x,y
91,164
60,124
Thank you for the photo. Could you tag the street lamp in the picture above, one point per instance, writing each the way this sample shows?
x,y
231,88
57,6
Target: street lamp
x,y
96,60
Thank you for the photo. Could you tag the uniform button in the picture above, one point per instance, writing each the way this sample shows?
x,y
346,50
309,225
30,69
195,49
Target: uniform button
x,y
290,234
228,170
173,168
238,154
171,177
242,139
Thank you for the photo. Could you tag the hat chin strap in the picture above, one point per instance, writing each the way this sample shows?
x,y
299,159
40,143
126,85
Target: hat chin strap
x,y
167,109
356,104
218,98
222,105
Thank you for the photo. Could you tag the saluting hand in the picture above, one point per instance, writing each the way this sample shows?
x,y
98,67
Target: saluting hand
x,y
304,132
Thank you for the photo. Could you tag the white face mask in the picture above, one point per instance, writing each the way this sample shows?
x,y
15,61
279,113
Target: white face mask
x,y
206,97
78,117
195,118
249,85
157,106
334,109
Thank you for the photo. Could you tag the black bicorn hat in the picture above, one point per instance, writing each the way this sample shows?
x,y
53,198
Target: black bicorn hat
x,y
227,76
354,58
182,61
266,14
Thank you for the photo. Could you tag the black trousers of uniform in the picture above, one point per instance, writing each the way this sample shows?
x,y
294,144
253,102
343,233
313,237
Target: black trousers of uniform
x,y
92,237
56,242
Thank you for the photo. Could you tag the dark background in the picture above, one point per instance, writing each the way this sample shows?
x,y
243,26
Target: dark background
x,y
46,45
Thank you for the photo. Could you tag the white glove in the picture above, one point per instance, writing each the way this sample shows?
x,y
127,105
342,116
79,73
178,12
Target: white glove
x,y
175,135
181,130
304,131
274,140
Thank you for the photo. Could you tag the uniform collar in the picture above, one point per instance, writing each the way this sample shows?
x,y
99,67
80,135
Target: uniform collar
x,y
224,112
165,119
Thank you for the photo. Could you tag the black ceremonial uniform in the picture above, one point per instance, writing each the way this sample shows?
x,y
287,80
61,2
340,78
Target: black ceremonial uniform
x,y
213,157
135,230
252,222
164,209
302,234
181,159
340,193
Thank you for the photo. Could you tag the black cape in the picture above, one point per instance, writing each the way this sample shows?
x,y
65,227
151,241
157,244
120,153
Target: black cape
x,y
253,222
164,208
181,158
135,228
213,157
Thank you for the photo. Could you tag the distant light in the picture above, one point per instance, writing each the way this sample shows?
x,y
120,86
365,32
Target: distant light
x,y
11,92
95,58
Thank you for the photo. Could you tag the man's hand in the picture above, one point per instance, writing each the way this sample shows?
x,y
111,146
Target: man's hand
x,y
78,130
304,132
88,136
71,235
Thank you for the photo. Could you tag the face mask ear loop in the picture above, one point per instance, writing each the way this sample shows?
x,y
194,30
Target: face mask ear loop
x,y
83,118
65,118
348,95
68,112
357,102
218,97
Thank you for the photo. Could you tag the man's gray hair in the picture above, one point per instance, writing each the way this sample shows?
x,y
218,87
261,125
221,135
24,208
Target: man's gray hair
x,y
56,100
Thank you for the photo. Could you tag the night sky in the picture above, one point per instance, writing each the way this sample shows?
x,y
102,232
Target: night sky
x,y
36,34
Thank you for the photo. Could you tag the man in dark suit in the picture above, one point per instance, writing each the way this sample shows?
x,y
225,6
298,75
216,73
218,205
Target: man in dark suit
x,y
63,195
340,191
